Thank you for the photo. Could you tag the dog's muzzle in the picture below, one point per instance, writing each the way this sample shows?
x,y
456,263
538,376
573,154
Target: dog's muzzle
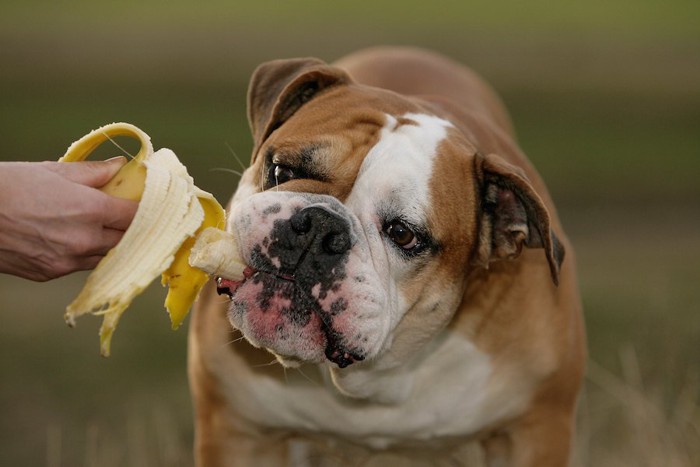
x,y
299,267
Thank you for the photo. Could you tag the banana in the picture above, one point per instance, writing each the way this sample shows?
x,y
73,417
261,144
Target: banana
x,y
130,181
216,252
183,280
172,212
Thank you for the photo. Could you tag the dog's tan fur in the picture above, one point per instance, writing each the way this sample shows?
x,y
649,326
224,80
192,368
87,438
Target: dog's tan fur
x,y
510,307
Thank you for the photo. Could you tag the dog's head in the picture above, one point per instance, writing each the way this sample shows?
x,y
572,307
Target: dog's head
x,y
361,216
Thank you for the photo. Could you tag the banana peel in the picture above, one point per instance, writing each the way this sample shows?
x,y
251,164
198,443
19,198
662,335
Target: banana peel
x,y
183,280
172,213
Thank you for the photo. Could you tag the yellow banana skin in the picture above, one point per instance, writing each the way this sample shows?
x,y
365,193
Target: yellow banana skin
x,y
183,280
170,181
130,180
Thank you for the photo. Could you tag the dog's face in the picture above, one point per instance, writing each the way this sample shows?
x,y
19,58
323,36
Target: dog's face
x,y
360,218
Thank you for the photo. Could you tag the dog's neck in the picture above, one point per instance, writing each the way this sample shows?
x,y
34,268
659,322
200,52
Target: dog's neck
x,y
373,382
391,381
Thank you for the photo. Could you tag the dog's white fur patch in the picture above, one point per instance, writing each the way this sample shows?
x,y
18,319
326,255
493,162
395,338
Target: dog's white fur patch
x,y
394,177
400,165
449,396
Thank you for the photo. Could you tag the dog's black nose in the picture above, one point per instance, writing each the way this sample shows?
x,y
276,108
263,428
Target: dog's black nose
x,y
324,231
309,246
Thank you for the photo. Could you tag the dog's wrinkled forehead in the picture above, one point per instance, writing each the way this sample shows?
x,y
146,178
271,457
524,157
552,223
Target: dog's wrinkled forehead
x,y
396,172
356,155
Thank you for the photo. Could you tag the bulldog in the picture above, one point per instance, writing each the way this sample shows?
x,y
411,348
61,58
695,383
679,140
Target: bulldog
x,y
409,287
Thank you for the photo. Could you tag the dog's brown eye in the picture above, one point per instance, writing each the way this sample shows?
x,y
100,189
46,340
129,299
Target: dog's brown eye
x,y
400,234
282,174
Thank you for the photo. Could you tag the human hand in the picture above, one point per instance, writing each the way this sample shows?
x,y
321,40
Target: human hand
x,y
54,220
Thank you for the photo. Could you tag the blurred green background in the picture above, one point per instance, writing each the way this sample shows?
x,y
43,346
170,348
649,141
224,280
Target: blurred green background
x,y
605,96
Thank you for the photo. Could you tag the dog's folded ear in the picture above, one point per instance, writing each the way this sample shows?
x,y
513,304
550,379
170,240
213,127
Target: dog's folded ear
x,y
512,216
278,88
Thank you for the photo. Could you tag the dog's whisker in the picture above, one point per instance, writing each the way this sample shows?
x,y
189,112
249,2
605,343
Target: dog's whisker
x,y
235,156
224,169
222,300
315,383
262,179
273,362
236,341
232,342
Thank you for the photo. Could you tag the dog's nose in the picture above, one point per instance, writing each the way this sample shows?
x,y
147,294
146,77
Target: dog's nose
x,y
308,247
325,231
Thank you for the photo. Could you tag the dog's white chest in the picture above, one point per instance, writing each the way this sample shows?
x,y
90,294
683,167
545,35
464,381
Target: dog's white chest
x,y
453,394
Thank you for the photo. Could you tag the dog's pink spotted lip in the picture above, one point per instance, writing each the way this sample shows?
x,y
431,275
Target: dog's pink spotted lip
x,y
228,286
334,350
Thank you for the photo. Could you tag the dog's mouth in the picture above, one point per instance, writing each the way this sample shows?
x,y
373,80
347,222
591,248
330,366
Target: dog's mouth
x,y
331,340
337,353
228,287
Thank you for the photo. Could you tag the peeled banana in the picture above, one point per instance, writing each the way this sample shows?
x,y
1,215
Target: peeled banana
x,y
172,213
216,252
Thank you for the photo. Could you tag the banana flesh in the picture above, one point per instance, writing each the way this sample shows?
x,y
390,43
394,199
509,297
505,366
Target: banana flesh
x,y
216,252
172,211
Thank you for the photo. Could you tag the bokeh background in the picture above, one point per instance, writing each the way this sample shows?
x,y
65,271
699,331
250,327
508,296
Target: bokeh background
x,y
605,96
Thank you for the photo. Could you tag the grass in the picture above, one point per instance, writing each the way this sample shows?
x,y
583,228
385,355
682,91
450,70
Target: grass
x,y
606,100
624,420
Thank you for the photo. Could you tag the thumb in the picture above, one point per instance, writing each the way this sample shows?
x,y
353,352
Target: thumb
x,y
89,173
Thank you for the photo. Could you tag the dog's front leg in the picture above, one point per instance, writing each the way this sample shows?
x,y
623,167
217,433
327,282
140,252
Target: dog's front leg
x,y
542,439
216,447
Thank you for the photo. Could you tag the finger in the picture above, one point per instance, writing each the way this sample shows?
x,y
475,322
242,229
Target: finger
x,y
87,263
100,243
118,213
109,239
90,173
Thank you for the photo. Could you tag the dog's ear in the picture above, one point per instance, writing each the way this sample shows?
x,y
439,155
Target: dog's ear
x,y
278,88
512,216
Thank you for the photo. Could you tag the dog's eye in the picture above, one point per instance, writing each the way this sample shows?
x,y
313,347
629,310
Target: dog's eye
x,y
283,174
279,174
401,234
